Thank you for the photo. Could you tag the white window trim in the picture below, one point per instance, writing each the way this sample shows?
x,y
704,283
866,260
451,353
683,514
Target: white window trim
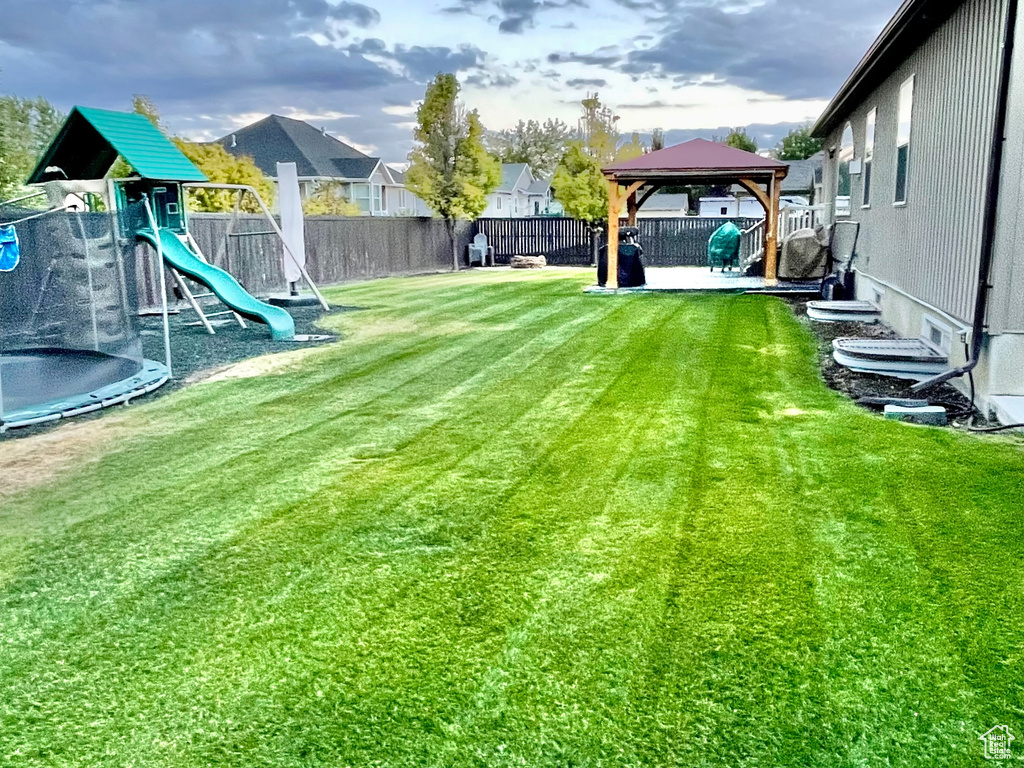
x,y
909,143
870,129
848,211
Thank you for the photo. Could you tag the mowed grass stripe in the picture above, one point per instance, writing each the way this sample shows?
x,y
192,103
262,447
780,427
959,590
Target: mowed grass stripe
x,y
260,563
179,541
168,466
629,531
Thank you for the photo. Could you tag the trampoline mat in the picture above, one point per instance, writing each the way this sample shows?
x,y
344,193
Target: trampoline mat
x,y
34,377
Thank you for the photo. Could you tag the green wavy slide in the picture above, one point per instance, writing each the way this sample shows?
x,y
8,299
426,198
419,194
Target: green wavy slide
x,y
224,286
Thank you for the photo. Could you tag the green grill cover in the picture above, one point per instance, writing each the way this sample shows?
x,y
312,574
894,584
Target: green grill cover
x,y
724,245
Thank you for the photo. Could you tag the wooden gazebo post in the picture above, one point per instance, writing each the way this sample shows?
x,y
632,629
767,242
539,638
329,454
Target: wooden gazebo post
x,y
614,207
617,197
694,162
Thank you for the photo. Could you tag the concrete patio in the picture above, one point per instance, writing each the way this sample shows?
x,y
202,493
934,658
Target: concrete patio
x,y
685,279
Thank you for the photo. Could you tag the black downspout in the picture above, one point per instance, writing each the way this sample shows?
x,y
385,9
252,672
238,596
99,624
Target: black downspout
x,y
988,231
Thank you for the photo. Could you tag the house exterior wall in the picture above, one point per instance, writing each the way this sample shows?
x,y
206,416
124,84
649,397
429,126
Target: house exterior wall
x,y
735,207
499,206
377,196
1006,311
920,260
929,247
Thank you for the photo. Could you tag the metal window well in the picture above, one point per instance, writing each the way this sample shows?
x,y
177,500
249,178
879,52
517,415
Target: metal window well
x,y
843,311
913,359
69,335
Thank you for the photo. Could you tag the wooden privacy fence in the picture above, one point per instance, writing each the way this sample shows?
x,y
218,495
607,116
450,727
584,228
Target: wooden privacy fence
x,y
338,250
681,242
565,242
674,242
342,249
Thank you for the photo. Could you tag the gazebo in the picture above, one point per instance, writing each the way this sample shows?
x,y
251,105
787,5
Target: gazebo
x,y
697,162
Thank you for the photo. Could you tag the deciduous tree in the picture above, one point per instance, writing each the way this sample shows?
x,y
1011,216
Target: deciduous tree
x,y
740,140
541,145
599,130
27,126
631,149
221,167
582,189
450,169
330,199
798,145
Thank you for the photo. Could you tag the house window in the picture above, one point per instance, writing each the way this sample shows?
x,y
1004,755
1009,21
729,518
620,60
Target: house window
x,y
869,154
378,198
725,211
903,140
360,195
938,333
844,179
499,202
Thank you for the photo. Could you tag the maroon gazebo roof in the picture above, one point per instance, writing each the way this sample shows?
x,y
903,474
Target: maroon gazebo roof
x,y
697,158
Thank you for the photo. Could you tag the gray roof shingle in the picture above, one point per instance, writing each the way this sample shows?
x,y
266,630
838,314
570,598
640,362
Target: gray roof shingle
x,y
276,139
510,173
801,173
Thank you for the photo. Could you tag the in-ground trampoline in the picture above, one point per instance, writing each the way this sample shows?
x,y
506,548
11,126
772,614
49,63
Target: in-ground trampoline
x,y
69,336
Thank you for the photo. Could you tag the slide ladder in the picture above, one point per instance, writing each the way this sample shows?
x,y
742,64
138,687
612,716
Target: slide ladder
x,y
185,261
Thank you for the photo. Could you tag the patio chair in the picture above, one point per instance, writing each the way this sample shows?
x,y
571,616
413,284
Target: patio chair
x,y
724,247
480,252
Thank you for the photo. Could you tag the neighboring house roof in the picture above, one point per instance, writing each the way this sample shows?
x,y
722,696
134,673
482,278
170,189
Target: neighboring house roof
x,y
276,139
801,173
698,156
667,202
539,187
511,173
913,23
88,143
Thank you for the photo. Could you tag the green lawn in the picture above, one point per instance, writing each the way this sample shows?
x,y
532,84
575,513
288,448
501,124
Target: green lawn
x,y
504,523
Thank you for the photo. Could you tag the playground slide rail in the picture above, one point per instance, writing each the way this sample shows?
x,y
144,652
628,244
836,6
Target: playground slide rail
x,y
222,283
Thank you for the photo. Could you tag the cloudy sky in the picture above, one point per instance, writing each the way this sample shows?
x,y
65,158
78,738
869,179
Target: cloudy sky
x,y
688,66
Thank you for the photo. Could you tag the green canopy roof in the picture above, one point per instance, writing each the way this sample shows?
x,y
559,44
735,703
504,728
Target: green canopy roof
x,y
90,140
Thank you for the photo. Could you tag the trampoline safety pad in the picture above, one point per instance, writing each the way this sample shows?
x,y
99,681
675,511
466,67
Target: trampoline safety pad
x,y
39,385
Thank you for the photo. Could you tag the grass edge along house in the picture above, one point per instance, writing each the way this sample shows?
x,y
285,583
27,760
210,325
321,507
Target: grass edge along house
x,y
912,156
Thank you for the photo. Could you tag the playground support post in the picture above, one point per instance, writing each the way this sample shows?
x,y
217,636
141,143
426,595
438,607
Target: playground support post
x,y
242,189
163,285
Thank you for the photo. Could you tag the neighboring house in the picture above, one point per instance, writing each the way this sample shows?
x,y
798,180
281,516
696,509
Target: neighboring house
x,y
403,202
802,187
542,199
665,206
520,194
730,207
805,179
909,140
321,158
